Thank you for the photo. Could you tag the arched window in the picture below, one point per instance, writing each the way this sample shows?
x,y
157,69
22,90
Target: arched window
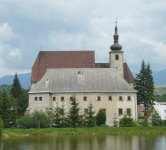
x,y
116,57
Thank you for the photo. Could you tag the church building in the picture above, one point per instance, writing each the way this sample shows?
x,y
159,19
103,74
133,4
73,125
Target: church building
x,y
57,75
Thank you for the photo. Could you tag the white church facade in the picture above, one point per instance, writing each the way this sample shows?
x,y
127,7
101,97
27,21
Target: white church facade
x,y
57,75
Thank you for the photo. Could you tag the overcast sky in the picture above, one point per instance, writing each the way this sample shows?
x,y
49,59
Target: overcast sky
x,y
25,25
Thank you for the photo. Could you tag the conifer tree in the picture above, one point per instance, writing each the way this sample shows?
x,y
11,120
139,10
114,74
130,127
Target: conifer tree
x,y
73,116
144,86
16,88
101,117
150,97
90,118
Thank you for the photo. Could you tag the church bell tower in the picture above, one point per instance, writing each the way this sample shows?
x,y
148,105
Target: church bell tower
x,y
116,55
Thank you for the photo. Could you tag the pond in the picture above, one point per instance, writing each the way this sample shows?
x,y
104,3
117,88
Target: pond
x,y
86,142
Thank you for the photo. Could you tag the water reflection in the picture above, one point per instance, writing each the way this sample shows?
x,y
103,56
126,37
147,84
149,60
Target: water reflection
x,y
86,142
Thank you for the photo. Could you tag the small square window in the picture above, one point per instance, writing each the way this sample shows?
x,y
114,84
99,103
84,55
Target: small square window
x,y
120,111
85,111
71,98
129,98
35,98
85,98
62,98
54,98
128,111
110,98
40,98
120,98
98,98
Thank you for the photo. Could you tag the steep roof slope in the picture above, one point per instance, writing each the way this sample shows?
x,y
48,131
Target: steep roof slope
x,y
61,59
128,76
82,80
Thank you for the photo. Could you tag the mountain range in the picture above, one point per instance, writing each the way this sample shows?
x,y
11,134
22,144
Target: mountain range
x,y
25,79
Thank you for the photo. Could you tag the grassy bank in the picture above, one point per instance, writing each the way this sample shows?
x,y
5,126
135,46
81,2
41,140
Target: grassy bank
x,y
9,132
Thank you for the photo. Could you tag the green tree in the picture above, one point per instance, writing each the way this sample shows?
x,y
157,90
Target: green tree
x,y
22,101
101,117
73,117
156,120
144,86
16,88
1,126
90,118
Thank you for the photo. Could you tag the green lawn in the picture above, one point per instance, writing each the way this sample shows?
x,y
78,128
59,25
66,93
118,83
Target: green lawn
x,y
78,131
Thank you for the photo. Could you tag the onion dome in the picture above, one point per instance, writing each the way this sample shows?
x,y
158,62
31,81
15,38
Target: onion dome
x,y
116,45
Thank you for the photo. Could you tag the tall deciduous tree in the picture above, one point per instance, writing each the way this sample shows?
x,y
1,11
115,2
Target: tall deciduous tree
x,y
144,86
16,88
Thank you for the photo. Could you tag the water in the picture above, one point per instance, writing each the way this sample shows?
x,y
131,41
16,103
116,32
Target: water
x,y
86,142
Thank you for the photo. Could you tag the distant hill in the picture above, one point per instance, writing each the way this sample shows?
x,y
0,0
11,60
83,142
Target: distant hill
x,y
23,78
160,77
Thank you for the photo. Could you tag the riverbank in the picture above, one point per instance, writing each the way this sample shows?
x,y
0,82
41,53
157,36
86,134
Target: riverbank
x,y
10,132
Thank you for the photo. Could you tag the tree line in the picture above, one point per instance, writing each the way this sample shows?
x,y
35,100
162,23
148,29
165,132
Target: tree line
x,y
13,102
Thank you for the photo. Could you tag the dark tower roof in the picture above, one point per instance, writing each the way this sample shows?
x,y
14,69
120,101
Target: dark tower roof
x,y
116,45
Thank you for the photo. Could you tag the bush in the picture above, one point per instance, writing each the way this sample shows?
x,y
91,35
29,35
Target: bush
x,y
101,117
127,121
1,126
38,119
141,117
25,121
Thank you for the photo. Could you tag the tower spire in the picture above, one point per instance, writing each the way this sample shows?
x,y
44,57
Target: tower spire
x,y
116,45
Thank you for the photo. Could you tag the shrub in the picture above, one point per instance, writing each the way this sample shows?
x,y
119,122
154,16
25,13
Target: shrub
x,y
101,117
1,126
141,117
38,119
127,121
25,121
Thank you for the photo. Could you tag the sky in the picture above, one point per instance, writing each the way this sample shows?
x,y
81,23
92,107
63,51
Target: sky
x,y
28,26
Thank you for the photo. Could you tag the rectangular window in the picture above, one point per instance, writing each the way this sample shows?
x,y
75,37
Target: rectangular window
x,y
129,98
110,98
120,111
54,98
116,57
35,98
98,98
120,98
40,98
128,111
85,111
71,98
62,98
85,98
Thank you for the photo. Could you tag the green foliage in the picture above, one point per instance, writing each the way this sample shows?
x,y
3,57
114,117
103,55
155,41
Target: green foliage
x,y
145,86
90,118
156,120
73,117
38,119
144,123
161,98
127,121
101,117
8,111
25,122
1,126
16,88
141,117
115,122
22,101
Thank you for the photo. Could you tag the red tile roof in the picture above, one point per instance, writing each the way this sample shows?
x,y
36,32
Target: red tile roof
x,y
61,59
128,76
102,65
